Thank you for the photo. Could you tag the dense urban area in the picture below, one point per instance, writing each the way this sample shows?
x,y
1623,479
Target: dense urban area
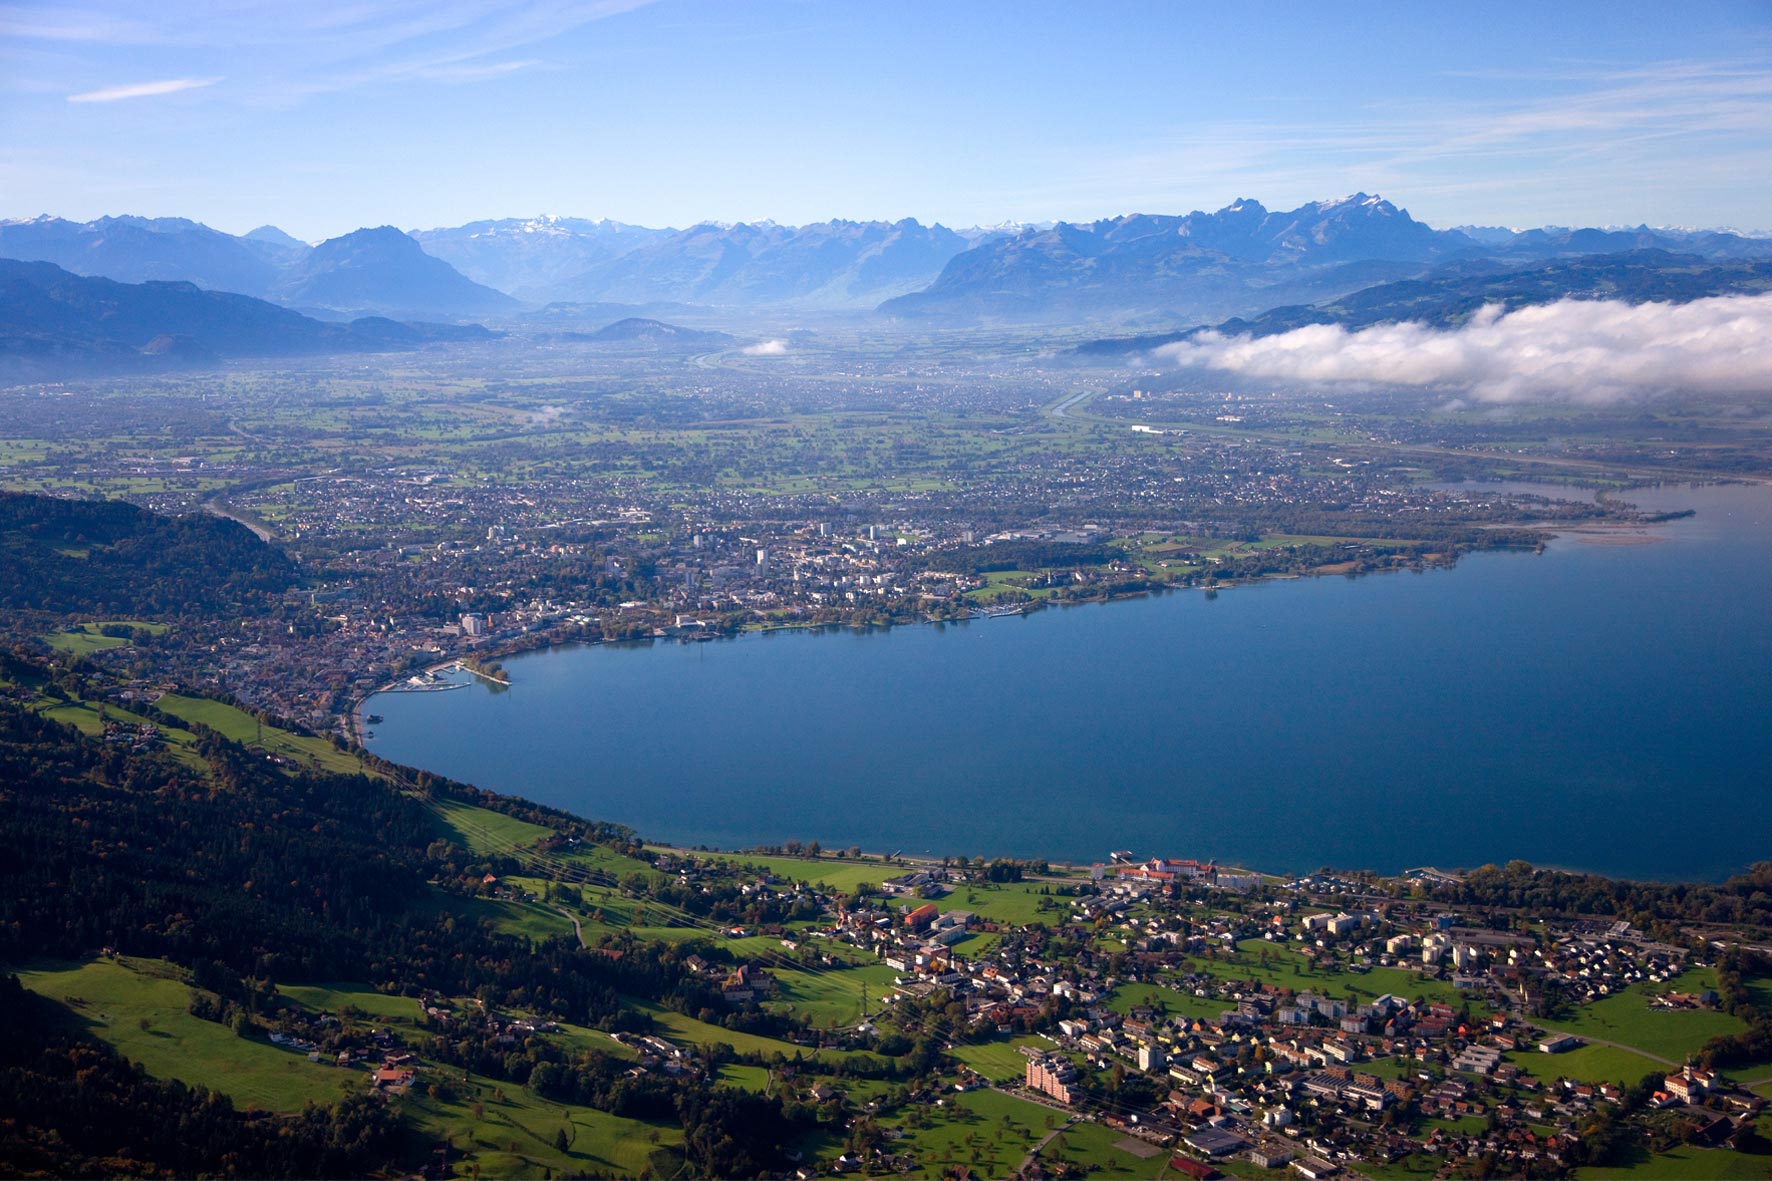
x,y
495,497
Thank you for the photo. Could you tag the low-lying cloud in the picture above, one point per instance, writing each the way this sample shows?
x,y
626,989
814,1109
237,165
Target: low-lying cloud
x,y
768,348
1586,351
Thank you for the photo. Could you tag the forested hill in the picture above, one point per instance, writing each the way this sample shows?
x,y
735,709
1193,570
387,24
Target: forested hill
x,y
110,557
241,875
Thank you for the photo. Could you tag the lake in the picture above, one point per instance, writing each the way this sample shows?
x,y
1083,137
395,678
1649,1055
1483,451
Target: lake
x,y
1604,707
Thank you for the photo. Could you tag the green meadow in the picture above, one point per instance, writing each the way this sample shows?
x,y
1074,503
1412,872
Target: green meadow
x,y
140,1007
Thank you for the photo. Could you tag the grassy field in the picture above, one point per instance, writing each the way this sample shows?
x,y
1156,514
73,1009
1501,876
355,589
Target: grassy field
x,y
687,1031
831,998
485,831
533,920
1417,1166
1286,967
840,874
1172,1001
1685,1164
84,639
89,717
607,860
241,727
140,1008
507,1132
335,998
746,1078
1000,1061
1095,1147
1591,1063
987,1131
1627,1019
1014,903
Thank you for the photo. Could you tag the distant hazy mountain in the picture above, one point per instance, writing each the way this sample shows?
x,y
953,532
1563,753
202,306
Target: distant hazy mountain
x,y
1140,269
1451,295
834,264
54,323
137,249
1244,259
383,270
1554,242
275,247
531,258
639,330
272,236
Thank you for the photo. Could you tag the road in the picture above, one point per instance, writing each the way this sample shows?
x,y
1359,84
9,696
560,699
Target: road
x,y
576,929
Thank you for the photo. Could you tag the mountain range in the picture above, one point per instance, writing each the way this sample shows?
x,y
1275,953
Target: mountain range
x,y
54,323
835,264
1138,270
1243,260
370,271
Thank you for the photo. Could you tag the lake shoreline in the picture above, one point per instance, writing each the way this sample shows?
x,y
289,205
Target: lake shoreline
x,y
1558,711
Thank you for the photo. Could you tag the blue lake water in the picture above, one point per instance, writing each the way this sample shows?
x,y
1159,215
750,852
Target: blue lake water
x,y
1599,706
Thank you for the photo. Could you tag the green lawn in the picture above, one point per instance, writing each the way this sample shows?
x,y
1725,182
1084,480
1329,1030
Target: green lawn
x,y
1685,1164
82,642
533,920
1286,967
238,726
1017,902
113,999
687,1031
84,639
514,1133
1094,1146
840,874
1172,1001
334,998
1417,1166
987,1131
1627,1019
89,717
483,830
607,860
1000,1061
832,997
746,1078
1591,1063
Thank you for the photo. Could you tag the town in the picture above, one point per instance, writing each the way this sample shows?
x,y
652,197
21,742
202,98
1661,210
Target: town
x,y
1136,1017
457,516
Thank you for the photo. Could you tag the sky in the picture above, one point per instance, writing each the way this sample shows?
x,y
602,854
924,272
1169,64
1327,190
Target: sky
x,y
320,117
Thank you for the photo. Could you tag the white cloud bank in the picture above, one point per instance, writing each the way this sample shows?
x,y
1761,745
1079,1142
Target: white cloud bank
x,y
111,94
769,348
1588,351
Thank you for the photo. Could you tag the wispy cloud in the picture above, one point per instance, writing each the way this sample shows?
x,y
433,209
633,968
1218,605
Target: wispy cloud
x,y
482,72
64,23
1584,351
767,348
281,51
111,94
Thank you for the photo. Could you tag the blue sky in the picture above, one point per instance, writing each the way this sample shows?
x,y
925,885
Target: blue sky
x,y
323,117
